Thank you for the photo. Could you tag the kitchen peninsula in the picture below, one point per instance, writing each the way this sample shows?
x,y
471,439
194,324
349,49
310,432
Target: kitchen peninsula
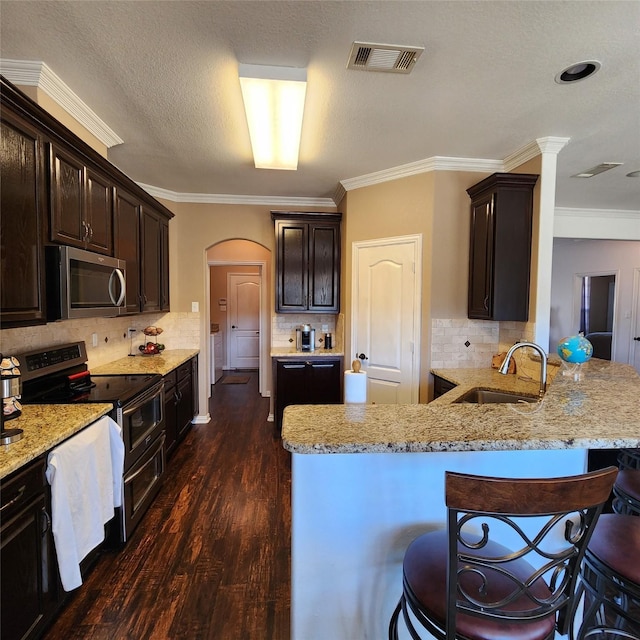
x,y
354,515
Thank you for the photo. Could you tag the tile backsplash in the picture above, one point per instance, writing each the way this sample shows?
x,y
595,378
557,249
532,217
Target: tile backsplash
x,y
283,328
180,331
463,343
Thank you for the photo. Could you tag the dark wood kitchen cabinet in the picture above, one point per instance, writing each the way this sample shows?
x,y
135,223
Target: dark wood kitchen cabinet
x,y
142,240
22,210
56,189
441,386
81,203
306,381
180,402
30,590
500,247
307,262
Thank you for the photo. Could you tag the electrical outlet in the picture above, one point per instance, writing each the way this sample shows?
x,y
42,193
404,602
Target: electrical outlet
x,y
325,328
94,339
195,307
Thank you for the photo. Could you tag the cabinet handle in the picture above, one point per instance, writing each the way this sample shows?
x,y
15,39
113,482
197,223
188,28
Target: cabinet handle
x,y
315,365
486,303
18,497
47,521
85,235
90,228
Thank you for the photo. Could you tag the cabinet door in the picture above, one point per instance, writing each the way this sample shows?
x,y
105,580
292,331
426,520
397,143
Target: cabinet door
x,y
170,417
194,384
150,260
184,407
99,212
68,223
291,386
164,261
127,244
481,259
324,382
292,250
22,196
324,268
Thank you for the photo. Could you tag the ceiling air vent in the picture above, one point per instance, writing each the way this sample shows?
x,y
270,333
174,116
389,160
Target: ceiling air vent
x,y
391,58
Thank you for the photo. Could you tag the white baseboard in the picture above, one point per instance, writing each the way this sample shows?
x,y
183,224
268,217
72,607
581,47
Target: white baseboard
x,y
201,419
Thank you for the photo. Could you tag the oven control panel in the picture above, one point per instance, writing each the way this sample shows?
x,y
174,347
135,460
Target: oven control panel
x,y
35,364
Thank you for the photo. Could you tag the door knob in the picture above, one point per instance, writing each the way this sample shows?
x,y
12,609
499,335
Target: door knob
x,y
363,357
637,338
233,326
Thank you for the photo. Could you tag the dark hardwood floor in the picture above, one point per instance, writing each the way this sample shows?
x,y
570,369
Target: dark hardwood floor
x,y
211,558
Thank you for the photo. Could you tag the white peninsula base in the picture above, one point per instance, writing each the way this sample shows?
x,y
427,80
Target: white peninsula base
x,y
353,515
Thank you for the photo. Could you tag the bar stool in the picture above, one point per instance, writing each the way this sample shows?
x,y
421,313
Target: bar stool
x,y
466,582
626,489
610,579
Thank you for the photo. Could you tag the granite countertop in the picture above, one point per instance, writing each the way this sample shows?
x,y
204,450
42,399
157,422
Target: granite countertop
x,y
292,352
163,363
602,410
44,427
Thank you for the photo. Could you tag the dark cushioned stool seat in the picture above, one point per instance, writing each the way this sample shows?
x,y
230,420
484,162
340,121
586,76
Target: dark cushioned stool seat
x,y
611,577
425,571
627,492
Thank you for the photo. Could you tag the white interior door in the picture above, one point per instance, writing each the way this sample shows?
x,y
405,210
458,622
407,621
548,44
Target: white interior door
x,y
386,316
243,318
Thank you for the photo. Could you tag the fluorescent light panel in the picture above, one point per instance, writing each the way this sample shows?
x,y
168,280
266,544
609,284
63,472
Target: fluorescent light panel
x,y
274,105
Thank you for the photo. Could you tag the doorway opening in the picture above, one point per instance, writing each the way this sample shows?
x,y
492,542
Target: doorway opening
x,y
597,301
238,310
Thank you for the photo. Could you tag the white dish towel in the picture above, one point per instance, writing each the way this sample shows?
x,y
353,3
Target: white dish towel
x,y
85,474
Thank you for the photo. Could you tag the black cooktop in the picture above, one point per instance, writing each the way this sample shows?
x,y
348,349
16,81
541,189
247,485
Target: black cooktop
x,y
115,389
59,375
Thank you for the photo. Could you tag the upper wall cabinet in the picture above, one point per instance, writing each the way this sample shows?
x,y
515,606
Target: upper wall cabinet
x,y
307,262
22,197
81,203
56,189
142,240
500,247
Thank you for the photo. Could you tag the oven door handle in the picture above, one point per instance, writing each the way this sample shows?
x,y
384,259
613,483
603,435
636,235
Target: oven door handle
x,y
150,456
143,399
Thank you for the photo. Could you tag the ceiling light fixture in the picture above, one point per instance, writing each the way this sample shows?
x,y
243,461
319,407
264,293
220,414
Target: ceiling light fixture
x,y
633,174
274,104
577,71
594,171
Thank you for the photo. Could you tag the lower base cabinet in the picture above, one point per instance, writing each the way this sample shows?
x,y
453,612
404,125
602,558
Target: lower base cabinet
x,y
180,402
309,381
31,594
441,386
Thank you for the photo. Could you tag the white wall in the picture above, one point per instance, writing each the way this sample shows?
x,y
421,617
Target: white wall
x,y
572,257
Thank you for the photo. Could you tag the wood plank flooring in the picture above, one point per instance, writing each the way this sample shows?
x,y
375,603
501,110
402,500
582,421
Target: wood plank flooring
x,y
211,558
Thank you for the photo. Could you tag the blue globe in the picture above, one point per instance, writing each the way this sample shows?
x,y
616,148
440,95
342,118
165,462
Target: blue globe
x,y
575,349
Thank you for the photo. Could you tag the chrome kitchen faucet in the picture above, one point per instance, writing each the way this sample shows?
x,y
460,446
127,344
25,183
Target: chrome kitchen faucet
x,y
504,367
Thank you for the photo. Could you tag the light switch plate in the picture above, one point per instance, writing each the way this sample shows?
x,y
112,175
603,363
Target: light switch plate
x,y
195,307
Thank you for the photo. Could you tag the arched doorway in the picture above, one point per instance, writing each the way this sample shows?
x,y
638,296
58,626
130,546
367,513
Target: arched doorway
x,y
239,257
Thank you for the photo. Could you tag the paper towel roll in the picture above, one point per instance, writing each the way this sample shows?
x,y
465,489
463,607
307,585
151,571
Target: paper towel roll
x,y
355,387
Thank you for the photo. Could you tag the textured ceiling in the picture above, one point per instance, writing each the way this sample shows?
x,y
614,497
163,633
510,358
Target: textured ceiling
x,y
163,76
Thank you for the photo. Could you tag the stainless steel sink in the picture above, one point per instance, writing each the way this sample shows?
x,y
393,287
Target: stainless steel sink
x,y
485,396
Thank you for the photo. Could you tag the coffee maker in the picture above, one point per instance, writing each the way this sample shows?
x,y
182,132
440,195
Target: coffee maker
x,y
10,392
305,338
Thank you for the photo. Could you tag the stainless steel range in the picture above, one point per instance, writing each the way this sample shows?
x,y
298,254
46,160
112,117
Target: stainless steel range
x,y
59,375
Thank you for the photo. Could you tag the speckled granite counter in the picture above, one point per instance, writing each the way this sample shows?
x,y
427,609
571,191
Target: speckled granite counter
x,y
600,411
292,352
162,363
44,427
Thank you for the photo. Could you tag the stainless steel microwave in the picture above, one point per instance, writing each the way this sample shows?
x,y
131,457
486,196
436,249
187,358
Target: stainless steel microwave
x,y
83,284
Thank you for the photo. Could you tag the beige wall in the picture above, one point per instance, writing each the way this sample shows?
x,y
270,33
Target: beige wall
x,y
396,208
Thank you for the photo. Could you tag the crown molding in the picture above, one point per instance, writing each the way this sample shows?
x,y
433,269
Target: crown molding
x,y
33,73
608,214
436,163
222,198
